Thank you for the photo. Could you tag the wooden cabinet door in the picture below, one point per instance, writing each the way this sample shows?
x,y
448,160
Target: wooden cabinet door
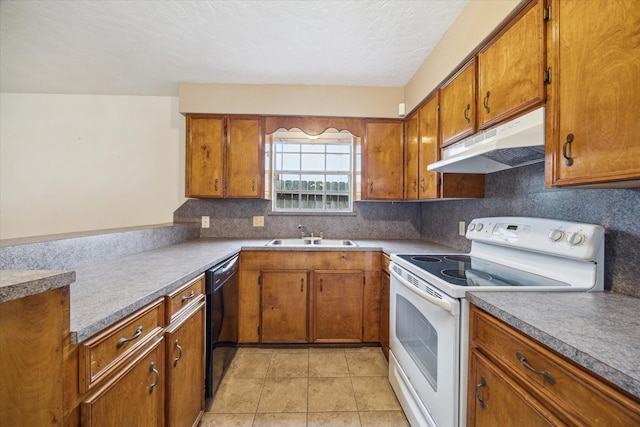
x,y
185,347
338,306
592,123
429,148
384,313
134,398
511,68
371,307
383,160
411,158
458,105
205,156
494,399
245,158
248,304
284,306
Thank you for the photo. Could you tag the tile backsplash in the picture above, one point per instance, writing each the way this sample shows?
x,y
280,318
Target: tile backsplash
x,y
521,192
514,192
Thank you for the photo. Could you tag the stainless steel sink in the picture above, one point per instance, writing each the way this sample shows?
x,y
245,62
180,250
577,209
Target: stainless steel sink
x,y
311,241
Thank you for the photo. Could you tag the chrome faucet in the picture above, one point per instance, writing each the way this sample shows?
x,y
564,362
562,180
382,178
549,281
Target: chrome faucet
x,y
302,229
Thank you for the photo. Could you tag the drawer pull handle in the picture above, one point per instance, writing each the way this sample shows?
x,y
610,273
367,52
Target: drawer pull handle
x,y
153,369
483,383
546,374
123,341
175,361
188,297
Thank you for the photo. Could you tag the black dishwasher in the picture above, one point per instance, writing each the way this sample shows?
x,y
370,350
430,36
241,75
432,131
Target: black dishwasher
x,y
221,322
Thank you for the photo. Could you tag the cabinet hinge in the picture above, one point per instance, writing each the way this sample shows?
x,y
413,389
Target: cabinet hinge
x,y
439,182
259,280
364,280
363,331
258,330
546,13
546,76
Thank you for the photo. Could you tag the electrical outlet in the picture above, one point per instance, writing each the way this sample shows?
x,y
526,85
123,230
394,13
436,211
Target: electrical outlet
x,y
258,221
462,229
205,221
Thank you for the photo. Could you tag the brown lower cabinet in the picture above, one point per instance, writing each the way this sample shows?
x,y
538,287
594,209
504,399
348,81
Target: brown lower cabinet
x,y
504,388
304,296
338,306
284,300
185,344
135,397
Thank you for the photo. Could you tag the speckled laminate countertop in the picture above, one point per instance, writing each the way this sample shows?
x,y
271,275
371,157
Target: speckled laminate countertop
x,y
16,284
107,292
599,331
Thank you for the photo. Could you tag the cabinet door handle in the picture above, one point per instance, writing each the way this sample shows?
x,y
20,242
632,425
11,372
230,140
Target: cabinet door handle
x,y
188,297
415,185
371,187
546,374
466,113
155,372
485,102
567,144
422,183
483,383
301,285
177,346
253,185
123,341
215,185
321,282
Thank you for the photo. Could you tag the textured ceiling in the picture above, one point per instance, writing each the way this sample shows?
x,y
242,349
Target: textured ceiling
x,y
147,47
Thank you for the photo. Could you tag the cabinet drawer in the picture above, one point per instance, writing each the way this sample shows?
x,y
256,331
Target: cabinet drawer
x,y
182,297
573,392
106,351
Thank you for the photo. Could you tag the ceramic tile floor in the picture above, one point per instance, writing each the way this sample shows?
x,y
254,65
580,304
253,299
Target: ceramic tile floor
x,y
306,387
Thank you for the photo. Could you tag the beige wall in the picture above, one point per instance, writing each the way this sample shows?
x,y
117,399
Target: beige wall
x,y
474,24
87,162
299,100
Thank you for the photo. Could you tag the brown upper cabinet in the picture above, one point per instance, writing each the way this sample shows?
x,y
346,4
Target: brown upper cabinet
x,y
592,124
421,149
224,157
411,157
383,160
511,68
458,105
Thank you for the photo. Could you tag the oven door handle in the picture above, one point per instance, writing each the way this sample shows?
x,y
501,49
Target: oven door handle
x,y
446,305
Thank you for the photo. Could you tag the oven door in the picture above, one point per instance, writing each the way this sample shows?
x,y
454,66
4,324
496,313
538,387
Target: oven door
x,y
424,334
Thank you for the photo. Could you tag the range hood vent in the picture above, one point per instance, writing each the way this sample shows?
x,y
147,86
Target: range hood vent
x,y
519,142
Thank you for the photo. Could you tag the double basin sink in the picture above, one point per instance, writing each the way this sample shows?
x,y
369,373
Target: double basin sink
x,y
310,242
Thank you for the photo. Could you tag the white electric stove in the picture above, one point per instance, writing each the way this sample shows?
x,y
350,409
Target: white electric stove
x,y
429,312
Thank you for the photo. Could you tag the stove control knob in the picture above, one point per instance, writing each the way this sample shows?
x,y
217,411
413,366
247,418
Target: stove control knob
x,y
472,227
479,226
576,239
556,235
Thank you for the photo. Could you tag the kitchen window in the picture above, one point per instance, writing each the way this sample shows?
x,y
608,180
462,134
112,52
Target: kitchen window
x,y
312,173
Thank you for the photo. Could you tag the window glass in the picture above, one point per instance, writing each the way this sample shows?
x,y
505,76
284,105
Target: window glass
x,y
312,173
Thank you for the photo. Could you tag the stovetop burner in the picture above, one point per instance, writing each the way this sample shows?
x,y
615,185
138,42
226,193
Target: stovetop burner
x,y
464,270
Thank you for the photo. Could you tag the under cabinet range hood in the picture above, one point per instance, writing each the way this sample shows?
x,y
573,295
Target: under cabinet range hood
x,y
516,143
